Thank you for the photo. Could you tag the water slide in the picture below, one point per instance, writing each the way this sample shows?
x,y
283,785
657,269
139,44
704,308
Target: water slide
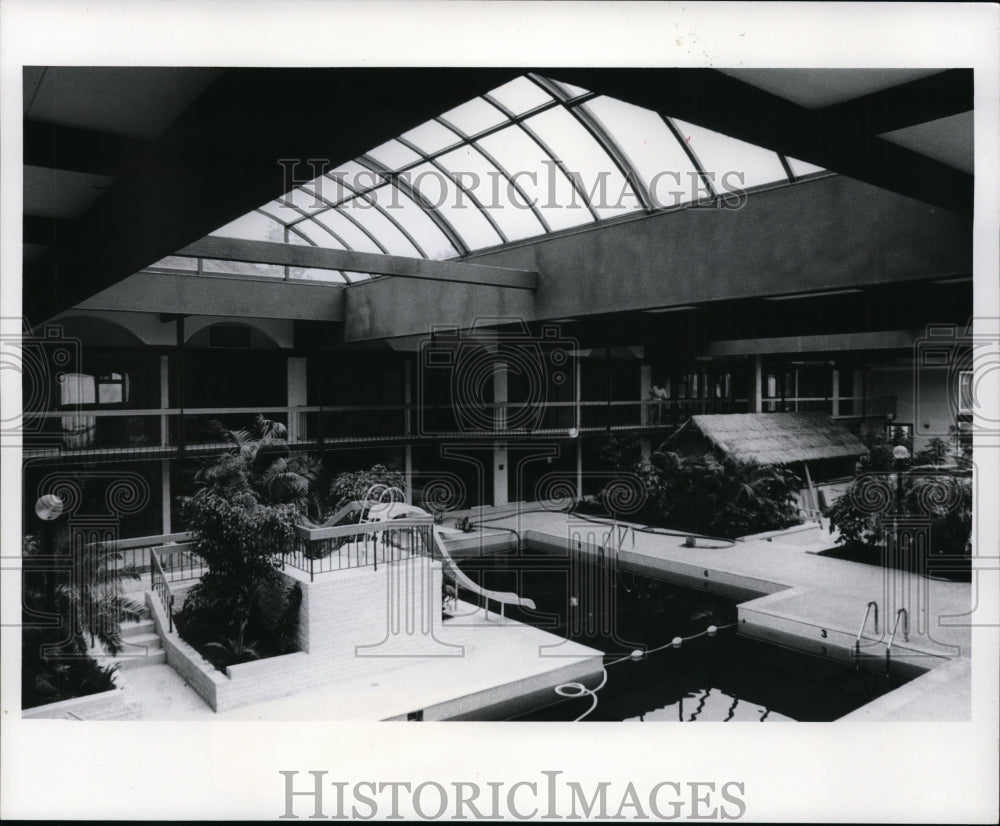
x,y
384,510
503,597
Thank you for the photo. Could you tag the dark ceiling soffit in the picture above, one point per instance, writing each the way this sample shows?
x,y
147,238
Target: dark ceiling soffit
x,y
845,143
43,229
294,255
73,149
220,160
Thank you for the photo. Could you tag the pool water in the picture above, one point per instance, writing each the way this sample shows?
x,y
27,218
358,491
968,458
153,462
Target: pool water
x,y
722,678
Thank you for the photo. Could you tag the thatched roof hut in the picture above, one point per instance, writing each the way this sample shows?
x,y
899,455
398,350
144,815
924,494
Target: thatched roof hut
x,y
769,438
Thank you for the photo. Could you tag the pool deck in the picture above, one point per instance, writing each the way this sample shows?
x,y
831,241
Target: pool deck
x,y
792,596
505,669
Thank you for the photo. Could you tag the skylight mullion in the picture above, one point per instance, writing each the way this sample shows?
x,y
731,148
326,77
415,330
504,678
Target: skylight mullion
x,y
472,195
382,210
471,143
787,167
405,233
691,154
352,192
434,214
597,131
464,140
346,213
303,215
325,229
546,150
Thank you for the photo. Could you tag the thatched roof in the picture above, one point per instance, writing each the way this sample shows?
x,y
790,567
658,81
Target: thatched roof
x,y
776,438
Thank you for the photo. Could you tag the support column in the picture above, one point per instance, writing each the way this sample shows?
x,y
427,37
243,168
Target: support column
x,y
166,494
579,468
179,384
408,429
835,392
298,383
757,399
407,396
645,385
500,462
164,400
500,475
408,473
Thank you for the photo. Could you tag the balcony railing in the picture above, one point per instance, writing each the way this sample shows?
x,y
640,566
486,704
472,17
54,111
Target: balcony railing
x,y
141,431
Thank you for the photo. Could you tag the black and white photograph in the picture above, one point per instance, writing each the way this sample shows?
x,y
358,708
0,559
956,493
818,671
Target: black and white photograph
x,y
590,368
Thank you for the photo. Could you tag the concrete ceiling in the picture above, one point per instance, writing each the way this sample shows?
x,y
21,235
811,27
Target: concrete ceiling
x,y
818,88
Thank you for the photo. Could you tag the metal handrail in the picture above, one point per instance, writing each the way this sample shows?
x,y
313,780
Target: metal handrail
x,y
341,547
619,532
161,587
864,622
902,612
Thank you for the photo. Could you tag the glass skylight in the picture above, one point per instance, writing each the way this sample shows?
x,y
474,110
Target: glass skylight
x,y
506,206
531,157
394,155
454,206
411,218
432,137
474,117
730,163
367,214
604,184
520,96
800,168
665,168
545,184
353,235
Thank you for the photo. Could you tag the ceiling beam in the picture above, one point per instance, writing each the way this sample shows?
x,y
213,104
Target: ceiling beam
x,y
192,294
296,255
846,145
221,159
919,101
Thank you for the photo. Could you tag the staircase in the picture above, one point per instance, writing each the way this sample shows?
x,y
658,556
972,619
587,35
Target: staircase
x,y
142,644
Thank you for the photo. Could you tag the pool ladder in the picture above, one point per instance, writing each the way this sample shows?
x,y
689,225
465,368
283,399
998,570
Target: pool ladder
x,y
905,615
861,630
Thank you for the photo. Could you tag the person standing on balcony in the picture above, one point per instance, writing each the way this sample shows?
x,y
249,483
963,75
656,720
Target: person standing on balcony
x,y
660,399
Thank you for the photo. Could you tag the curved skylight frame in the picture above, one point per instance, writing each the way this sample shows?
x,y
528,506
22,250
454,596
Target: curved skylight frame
x,y
341,222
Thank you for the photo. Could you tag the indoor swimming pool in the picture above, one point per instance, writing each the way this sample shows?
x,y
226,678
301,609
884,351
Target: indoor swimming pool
x,y
698,667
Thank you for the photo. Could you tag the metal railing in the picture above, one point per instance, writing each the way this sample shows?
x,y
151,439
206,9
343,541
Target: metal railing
x,y
171,564
180,563
156,430
344,547
136,553
857,640
162,590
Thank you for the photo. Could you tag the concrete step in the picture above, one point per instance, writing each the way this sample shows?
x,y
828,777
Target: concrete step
x,y
146,639
130,630
136,659
142,646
